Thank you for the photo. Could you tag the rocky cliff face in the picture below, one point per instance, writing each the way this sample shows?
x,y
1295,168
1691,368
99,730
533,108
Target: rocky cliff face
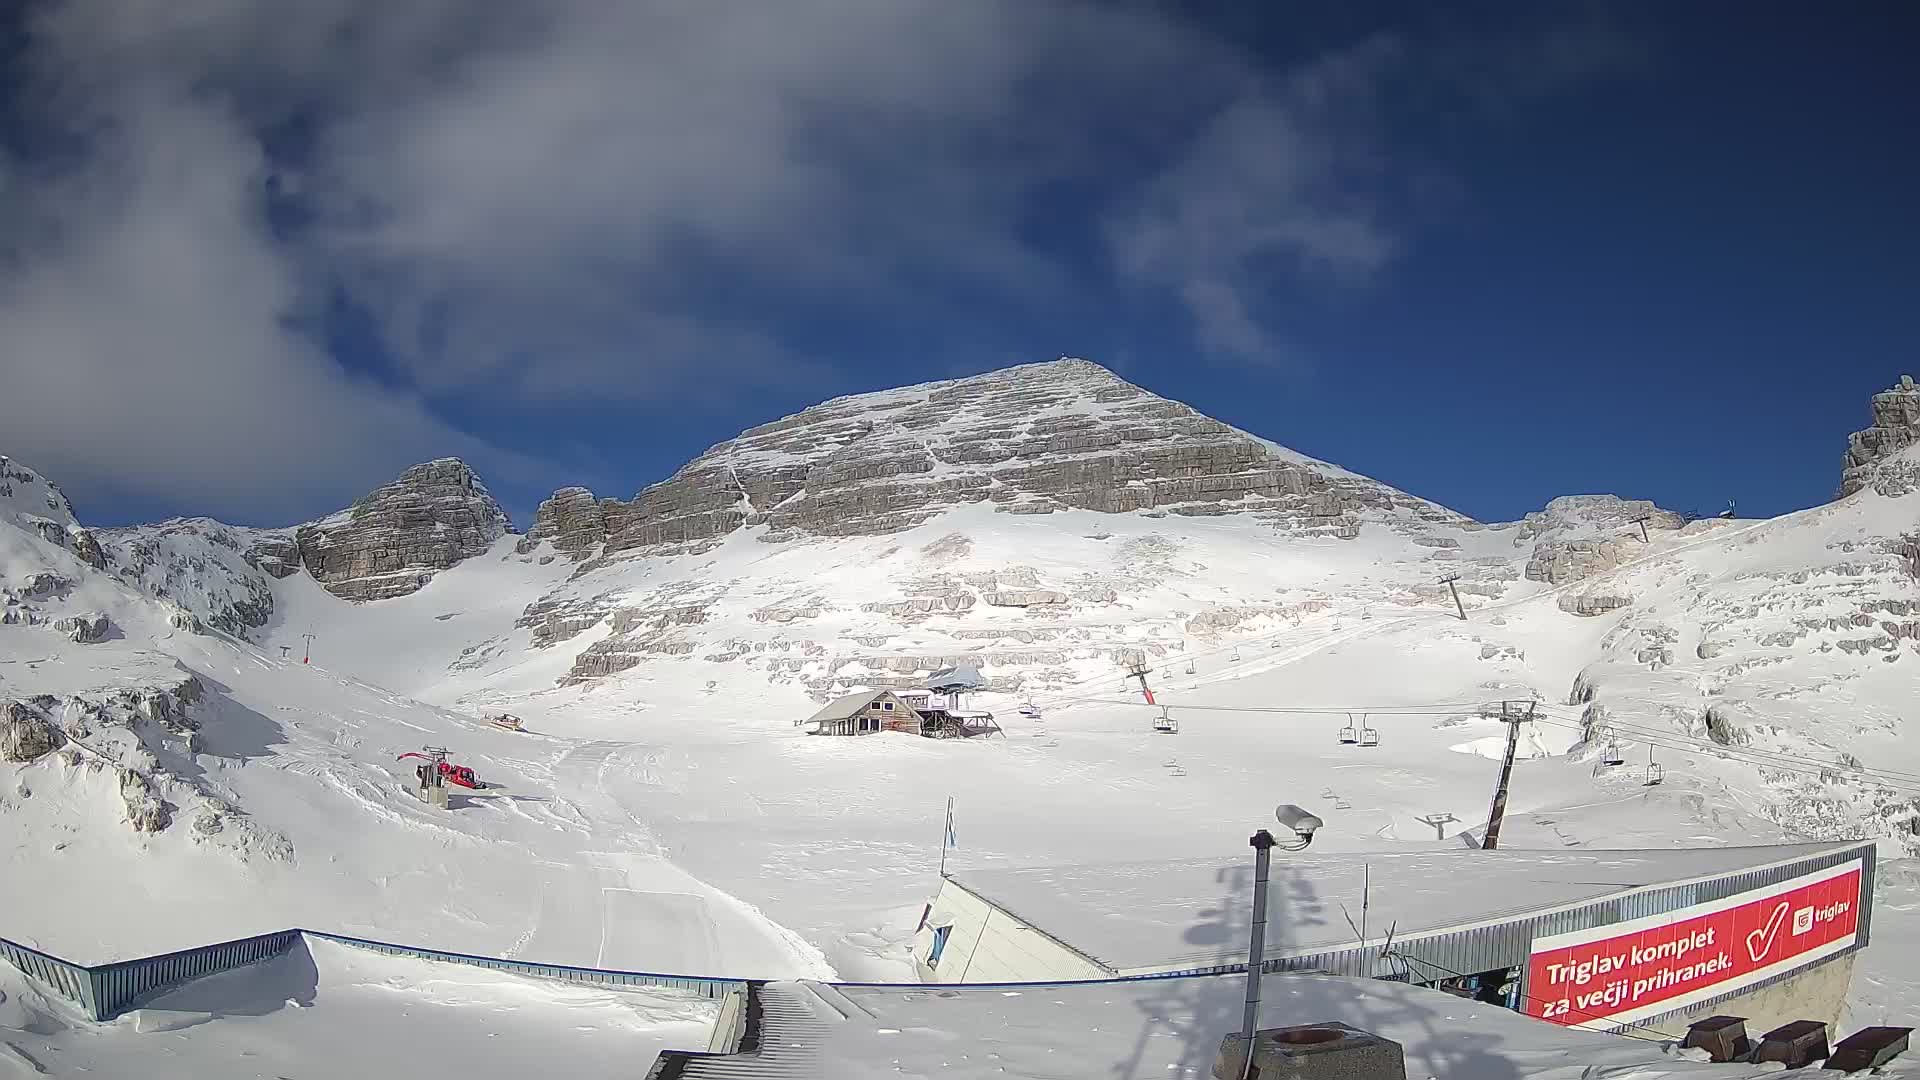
x,y
1578,536
393,541
1030,440
1874,457
38,506
209,570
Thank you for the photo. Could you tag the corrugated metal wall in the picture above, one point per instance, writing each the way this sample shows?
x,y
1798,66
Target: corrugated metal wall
x,y
121,984
107,990
705,987
69,980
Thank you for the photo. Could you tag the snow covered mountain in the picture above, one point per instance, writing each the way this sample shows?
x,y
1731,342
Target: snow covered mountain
x,y
1050,523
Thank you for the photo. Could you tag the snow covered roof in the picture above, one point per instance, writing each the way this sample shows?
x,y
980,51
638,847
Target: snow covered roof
x,y
1164,916
1157,1029
842,707
963,677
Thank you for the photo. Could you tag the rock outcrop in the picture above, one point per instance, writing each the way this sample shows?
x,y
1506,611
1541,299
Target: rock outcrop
x,y
395,539
1039,438
209,571
1592,603
25,734
572,519
276,554
88,629
1872,453
147,812
1578,536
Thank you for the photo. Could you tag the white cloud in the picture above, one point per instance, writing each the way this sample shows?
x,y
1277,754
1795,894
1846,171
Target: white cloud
x,y
1285,176
144,346
591,199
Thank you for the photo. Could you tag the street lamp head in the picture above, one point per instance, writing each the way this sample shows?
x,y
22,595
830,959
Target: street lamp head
x,y
1303,824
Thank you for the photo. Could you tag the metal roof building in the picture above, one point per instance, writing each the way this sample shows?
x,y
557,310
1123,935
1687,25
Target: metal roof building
x,y
1454,915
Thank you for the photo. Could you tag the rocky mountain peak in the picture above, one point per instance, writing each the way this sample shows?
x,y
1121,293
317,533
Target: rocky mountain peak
x,y
392,541
38,506
1874,455
1032,439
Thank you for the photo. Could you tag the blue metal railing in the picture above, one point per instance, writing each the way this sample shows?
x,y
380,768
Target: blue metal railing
x,y
706,987
105,991
120,984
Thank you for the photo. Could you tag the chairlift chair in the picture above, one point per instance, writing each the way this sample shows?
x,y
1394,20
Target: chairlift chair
x,y
1189,667
1655,773
1369,736
1028,710
1236,654
1165,724
1349,735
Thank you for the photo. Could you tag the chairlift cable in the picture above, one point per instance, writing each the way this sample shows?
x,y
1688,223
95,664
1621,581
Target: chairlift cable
x,y
1644,734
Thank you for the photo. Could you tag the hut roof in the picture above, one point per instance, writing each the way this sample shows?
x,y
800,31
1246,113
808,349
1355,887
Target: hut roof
x,y
841,708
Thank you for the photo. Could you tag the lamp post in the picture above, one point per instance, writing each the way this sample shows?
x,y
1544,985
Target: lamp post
x,y
1302,825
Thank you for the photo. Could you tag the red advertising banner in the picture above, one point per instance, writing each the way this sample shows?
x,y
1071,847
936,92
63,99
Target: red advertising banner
x,y
1617,974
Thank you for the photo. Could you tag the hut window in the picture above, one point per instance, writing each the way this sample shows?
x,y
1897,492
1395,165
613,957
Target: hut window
x,y
887,705
939,945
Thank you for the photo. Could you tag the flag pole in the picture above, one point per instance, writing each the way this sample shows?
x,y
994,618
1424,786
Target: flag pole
x,y
945,836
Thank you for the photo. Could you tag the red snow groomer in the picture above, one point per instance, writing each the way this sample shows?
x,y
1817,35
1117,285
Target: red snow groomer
x,y
448,773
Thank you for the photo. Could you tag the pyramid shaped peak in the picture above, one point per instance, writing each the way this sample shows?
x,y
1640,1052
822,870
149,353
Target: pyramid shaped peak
x,y
396,537
1060,435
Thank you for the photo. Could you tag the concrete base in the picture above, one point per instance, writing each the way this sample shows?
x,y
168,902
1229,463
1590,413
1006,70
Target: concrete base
x,y
1816,994
434,796
1325,1051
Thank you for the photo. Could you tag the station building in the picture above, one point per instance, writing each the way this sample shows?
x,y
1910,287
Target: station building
x,y
1605,940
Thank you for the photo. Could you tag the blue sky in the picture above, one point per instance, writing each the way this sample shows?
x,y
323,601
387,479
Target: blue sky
x,y
255,258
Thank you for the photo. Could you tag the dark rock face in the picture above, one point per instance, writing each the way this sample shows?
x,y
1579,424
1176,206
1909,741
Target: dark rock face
x,y
88,629
1035,439
1896,426
274,554
394,540
572,518
25,734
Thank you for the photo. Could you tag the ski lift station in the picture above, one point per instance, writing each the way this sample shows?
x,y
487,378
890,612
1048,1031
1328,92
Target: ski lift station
x,y
1593,939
